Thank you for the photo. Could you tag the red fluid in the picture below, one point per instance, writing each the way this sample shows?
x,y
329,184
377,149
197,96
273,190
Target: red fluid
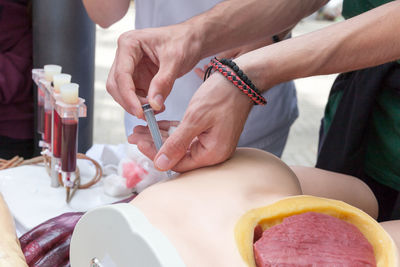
x,y
69,140
56,135
40,117
47,126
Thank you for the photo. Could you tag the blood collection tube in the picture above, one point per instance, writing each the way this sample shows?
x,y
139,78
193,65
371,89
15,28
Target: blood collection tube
x,y
47,117
40,106
70,107
49,72
37,74
58,81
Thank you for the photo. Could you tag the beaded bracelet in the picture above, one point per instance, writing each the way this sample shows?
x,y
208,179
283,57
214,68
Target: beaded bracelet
x,y
276,39
237,77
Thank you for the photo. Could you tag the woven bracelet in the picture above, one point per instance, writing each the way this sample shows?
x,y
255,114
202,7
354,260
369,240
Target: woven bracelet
x,y
276,39
237,77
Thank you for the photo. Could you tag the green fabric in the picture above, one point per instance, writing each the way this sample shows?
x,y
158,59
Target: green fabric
x,y
330,109
353,8
382,158
382,161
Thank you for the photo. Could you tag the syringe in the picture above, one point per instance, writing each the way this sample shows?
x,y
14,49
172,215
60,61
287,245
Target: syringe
x,y
154,130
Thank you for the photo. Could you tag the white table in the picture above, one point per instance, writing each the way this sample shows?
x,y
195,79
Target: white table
x,y
32,200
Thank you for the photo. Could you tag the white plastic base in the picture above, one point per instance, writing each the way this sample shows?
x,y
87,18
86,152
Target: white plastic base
x,y
120,235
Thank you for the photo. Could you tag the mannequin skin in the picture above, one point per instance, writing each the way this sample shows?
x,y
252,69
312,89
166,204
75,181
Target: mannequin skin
x,y
10,251
198,210
322,183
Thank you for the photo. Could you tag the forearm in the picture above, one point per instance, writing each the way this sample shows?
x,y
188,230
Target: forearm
x,y
106,12
237,22
363,41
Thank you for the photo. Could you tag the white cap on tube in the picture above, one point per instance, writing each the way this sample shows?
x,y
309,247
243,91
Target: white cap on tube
x,y
69,93
59,80
50,70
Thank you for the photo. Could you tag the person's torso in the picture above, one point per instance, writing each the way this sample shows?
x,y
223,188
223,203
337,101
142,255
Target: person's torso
x,y
383,143
16,95
382,132
14,22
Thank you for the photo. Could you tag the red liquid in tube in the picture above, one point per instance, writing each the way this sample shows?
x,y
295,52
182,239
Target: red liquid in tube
x,y
47,126
56,135
40,116
68,145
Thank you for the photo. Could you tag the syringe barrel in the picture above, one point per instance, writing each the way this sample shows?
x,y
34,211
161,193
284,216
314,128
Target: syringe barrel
x,y
153,126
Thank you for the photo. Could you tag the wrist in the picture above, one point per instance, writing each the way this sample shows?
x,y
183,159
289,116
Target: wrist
x,y
231,93
250,67
199,36
236,76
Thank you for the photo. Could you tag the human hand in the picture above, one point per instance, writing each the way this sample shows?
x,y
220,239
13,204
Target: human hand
x,y
141,136
208,133
146,64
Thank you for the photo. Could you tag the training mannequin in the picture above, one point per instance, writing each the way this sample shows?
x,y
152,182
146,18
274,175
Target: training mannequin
x,y
10,251
198,210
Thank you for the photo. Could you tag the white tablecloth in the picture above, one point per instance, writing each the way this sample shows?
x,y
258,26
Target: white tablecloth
x,y
32,200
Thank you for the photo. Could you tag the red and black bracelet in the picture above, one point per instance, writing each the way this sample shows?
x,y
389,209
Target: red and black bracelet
x,y
237,77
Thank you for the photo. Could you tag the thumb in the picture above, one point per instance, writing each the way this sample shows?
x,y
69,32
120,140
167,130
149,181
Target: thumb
x,y
161,85
175,147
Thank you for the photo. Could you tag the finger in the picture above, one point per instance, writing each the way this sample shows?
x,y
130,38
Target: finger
x,y
140,129
204,153
143,100
127,58
140,133
176,146
194,158
199,72
135,138
159,111
161,85
111,85
147,148
165,125
129,100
